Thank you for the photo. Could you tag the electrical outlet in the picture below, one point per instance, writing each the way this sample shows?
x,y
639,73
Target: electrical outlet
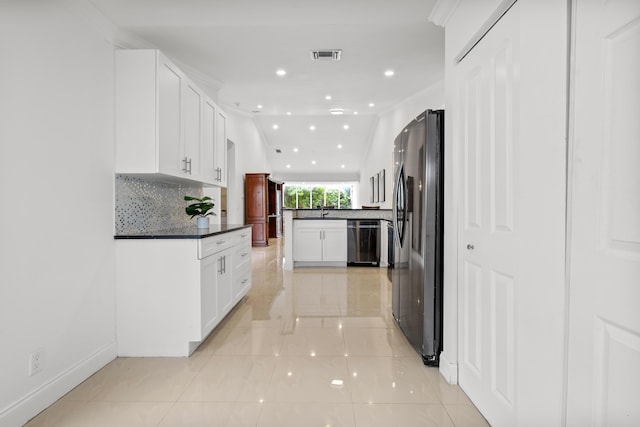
x,y
36,360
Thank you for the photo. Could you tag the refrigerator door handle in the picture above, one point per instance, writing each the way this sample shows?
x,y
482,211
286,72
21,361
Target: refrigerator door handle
x,y
400,205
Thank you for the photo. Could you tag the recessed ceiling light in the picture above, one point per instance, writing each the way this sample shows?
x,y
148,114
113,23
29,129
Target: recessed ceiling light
x,y
295,150
312,127
346,127
288,166
275,127
328,97
389,73
339,145
342,166
371,104
336,111
355,113
288,113
313,162
281,72
259,106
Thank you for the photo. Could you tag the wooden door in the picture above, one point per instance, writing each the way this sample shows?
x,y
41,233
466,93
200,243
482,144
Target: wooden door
x,y
604,317
512,217
256,207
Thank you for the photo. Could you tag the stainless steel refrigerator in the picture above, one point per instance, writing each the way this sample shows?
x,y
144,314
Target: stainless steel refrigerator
x,y
418,212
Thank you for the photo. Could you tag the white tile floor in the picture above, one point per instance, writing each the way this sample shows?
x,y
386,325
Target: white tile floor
x,y
312,347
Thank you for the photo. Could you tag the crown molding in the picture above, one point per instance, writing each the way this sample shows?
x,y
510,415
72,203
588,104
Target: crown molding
x,y
442,11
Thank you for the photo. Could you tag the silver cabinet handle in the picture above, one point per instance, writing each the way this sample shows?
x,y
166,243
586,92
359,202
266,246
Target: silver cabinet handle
x,y
188,163
220,265
470,246
219,242
184,162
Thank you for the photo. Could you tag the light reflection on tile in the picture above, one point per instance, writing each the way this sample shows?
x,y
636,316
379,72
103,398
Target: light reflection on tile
x,y
313,346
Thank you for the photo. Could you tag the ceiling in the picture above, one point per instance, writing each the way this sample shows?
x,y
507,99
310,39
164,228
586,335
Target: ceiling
x,y
236,47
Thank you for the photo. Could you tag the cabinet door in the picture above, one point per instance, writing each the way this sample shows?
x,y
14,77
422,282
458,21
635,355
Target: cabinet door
x,y
307,244
208,294
208,142
221,148
192,116
224,275
169,118
334,244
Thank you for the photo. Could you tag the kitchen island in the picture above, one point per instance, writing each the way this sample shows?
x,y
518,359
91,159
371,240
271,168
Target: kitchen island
x,y
175,286
318,237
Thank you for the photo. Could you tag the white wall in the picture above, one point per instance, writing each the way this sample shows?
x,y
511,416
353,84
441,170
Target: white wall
x,y
57,275
250,157
380,154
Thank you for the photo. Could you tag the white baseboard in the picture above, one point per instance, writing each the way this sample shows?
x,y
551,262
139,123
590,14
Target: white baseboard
x,y
448,369
22,410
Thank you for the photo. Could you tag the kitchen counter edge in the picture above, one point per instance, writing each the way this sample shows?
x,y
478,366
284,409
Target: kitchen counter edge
x,y
184,232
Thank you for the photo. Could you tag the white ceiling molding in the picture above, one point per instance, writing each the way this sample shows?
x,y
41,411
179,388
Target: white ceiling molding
x,y
502,8
315,177
442,11
207,83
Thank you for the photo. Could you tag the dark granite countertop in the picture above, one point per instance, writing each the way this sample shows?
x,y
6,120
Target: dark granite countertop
x,y
184,232
336,210
306,218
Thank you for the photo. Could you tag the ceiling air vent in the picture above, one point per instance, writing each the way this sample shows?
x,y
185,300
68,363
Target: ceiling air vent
x,y
327,54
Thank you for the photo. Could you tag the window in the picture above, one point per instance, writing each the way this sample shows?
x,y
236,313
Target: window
x,y
306,196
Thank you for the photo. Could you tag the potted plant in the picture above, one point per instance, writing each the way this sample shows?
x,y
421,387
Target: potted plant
x,y
200,208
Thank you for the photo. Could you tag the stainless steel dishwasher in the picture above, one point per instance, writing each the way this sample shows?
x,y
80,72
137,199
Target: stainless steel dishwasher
x,y
363,240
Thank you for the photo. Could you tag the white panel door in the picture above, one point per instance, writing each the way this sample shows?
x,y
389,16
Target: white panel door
x,y
488,239
604,325
511,129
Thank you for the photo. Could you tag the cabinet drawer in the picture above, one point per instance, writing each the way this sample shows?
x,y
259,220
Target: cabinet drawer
x,y
242,259
244,237
211,245
241,285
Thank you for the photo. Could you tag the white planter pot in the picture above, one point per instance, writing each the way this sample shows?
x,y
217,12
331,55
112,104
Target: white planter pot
x,y
203,222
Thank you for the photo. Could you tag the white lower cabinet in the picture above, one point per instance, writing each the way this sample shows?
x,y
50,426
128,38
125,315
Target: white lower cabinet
x,y
320,242
171,293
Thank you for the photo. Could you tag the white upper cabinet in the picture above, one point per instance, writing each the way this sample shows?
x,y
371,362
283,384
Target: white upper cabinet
x,y
165,124
210,111
220,157
157,132
192,100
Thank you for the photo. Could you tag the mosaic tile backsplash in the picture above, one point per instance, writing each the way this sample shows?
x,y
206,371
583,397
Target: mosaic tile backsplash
x,y
146,205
